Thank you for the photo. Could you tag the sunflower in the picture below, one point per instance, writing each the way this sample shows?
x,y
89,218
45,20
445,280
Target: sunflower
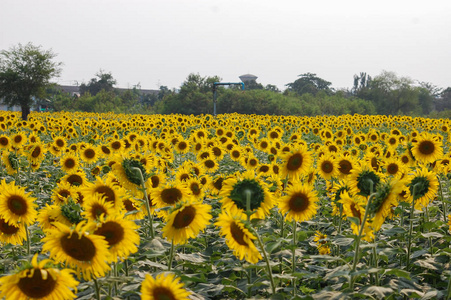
x,y
354,206
121,234
196,187
363,180
296,162
321,242
111,192
238,237
345,165
115,146
156,180
236,190
299,203
11,233
75,179
63,191
78,248
69,163
327,167
36,153
186,220
427,148
50,214
170,194
90,154
422,187
11,162
5,142
394,167
216,185
18,140
16,205
210,165
165,286
383,201
126,173
96,205
39,281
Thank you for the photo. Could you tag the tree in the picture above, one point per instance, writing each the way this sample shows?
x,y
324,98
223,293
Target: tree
x,y
310,83
104,81
25,72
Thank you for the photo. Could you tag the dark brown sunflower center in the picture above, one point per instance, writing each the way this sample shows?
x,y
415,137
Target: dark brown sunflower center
x,y
298,202
108,192
274,135
333,148
162,293
264,169
356,213
295,162
184,177
4,141
209,163
405,159
327,167
264,145
171,195
218,183
17,205
237,234
184,217
426,147
6,228
182,145
105,150
155,181
128,204
69,163
116,145
392,169
195,188
112,231
90,153
217,151
35,286
82,249
97,210
17,139
60,143
236,153
345,167
75,179
36,152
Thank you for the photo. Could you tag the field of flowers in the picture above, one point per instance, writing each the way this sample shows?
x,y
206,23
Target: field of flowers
x,y
111,206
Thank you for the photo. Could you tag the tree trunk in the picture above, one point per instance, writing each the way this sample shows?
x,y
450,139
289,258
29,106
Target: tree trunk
x,y
25,112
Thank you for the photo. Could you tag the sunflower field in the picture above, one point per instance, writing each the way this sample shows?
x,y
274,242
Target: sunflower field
x,y
115,206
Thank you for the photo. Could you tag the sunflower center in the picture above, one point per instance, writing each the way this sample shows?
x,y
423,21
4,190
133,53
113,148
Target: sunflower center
x,y
155,181
355,212
184,177
69,163
6,228
128,204
184,217
171,195
217,151
112,231
60,143
116,145
236,153
97,210
195,188
182,145
426,147
327,167
392,169
105,150
218,183
241,191
107,192
89,153
36,152
75,179
36,287
345,167
209,163
162,293
237,234
264,145
17,205
264,169
295,162
81,249
4,141
17,139
298,202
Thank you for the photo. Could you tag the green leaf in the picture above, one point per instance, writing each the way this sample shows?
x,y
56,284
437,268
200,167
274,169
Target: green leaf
x,y
394,231
354,220
270,247
432,234
398,273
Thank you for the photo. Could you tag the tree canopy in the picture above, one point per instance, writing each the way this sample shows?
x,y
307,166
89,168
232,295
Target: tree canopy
x,y
25,72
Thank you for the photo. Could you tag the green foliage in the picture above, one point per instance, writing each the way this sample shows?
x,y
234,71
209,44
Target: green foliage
x,y
104,81
309,83
25,72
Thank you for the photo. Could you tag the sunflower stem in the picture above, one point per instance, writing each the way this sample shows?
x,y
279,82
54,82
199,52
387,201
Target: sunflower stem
x,y
126,267
376,263
409,242
293,263
445,206
427,221
146,200
97,288
357,246
265,255
28,239
171,256
448,290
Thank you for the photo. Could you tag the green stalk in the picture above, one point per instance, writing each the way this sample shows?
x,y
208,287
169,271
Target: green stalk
x,y
409,243
376,263
448,294
427,221
357,247
265,255
171,256
28,239
97,288
146,200
293,264
445,206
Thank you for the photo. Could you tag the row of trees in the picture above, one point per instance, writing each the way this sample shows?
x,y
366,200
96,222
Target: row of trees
x,y
26,71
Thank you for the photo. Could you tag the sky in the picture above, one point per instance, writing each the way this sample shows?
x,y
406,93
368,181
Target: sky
x,y
160,42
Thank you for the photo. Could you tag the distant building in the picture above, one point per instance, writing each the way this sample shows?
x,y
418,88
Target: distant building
x,y
248,77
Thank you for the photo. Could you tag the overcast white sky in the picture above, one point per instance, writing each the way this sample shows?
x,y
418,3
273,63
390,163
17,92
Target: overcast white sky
x,y
159,42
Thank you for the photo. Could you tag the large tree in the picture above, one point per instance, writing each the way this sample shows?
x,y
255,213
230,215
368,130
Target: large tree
x,y
104,81
310,83
25,72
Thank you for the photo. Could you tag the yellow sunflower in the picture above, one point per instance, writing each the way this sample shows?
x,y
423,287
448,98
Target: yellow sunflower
x,y
63,191
11,162
322,243
69,163
126,173
5,142
385,198
186,220
196,187
327,167
90,154
112,193
16,205
39,281
50,214
165,286
299,203
170,194
121,234
36,153
96,205
354,206
422,187
13,234
427,149
76,178
296,162
394,167
78,248
236,190
238,237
